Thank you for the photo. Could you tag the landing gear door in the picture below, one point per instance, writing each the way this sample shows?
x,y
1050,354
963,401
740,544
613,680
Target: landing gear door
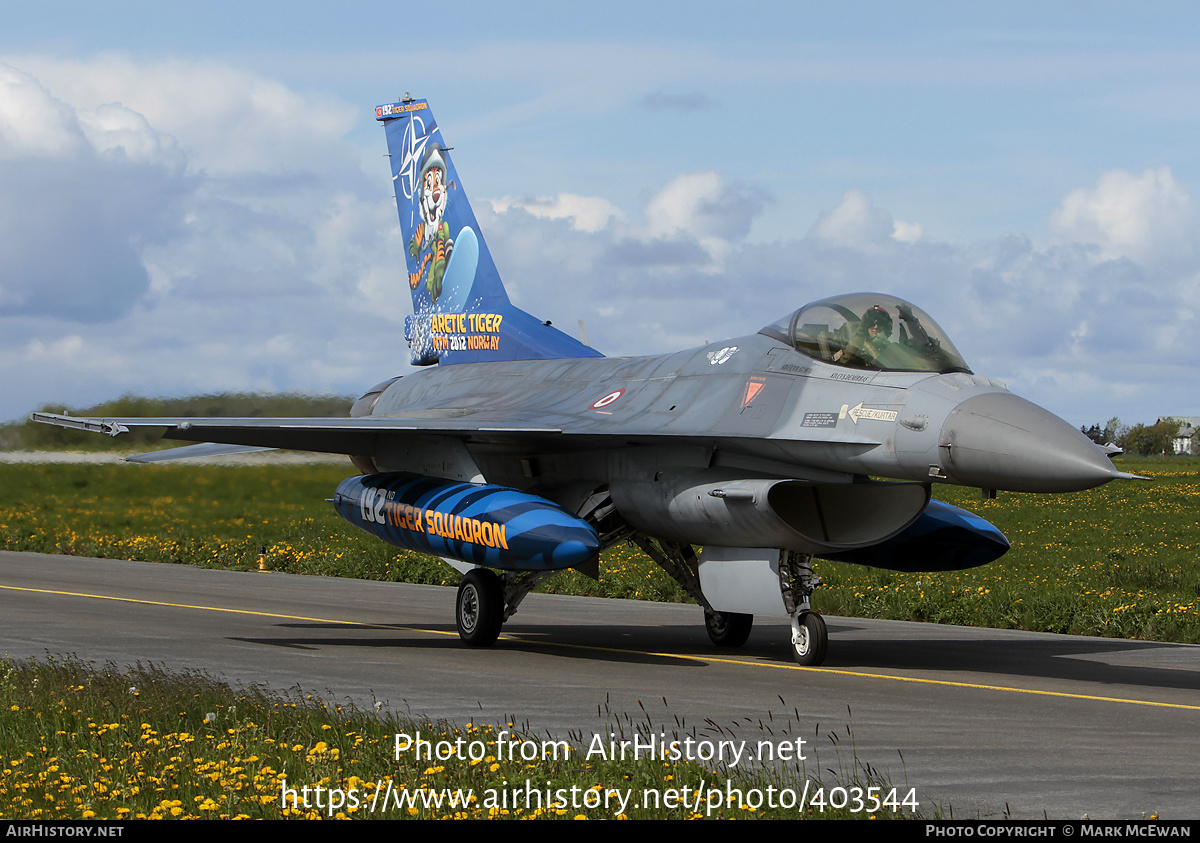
x,y
743,580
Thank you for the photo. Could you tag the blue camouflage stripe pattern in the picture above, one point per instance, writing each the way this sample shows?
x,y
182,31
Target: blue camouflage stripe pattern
x,y
944,538
480,524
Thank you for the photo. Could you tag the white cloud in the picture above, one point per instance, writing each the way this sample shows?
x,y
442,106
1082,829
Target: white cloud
x,y
907,232
704,206
586,213
1143,217
692,223
68,351
856,223
159,266
689,203
123,133
84,192
226,119
34,123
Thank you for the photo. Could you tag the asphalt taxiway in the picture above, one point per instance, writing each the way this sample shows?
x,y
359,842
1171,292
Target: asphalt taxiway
x,y
986,722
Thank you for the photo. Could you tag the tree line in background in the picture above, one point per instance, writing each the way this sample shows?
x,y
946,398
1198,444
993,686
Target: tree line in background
x,y
1143,439
28,436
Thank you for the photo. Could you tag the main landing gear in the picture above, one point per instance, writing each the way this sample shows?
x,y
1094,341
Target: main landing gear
x,y
479,609
487,599
727,629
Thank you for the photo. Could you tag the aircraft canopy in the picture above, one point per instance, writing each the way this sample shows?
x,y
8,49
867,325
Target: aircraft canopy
x,y
869,331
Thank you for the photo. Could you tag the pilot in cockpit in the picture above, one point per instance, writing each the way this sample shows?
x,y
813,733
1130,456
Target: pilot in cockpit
x,y
871,336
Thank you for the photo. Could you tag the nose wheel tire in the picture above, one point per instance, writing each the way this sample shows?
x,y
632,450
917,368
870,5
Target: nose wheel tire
x,y
728,629
810,639
479,609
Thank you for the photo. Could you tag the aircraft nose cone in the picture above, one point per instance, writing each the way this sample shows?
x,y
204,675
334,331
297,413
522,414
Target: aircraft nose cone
x,y
1000,441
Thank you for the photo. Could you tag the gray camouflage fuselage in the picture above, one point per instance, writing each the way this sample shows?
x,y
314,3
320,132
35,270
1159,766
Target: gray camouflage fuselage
x,y
750,404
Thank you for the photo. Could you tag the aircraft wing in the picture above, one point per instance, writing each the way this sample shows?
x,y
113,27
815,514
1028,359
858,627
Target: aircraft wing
x,y
329,435
354,436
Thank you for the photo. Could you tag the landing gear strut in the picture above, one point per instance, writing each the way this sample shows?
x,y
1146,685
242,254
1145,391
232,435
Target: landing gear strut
x,y
810,638
725,629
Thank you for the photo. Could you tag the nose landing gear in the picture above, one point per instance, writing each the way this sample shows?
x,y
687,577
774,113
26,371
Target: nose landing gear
x,y
810,638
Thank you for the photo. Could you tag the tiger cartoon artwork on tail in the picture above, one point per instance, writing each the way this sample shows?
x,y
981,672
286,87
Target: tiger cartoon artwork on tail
x,y
461,311
431,244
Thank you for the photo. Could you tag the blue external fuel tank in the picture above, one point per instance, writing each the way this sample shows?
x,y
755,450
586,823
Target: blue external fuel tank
x,y
944,538
480,524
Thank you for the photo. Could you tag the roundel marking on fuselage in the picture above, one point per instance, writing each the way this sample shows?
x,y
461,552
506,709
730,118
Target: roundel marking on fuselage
x,y
606,400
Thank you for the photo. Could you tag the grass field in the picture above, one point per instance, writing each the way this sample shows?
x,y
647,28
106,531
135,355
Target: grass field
x,y
85,743
1116,561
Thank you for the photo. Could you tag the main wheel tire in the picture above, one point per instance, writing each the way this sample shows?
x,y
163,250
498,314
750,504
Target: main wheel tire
x,y
813,639
479,609
728,629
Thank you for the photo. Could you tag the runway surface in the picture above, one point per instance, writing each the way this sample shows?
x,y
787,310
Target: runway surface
x,y
979,720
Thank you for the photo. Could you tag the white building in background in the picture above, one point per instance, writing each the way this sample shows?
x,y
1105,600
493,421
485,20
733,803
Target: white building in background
x,y
1185,440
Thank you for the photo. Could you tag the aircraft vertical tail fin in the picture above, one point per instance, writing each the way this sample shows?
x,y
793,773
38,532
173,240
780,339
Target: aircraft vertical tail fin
x,y
462,313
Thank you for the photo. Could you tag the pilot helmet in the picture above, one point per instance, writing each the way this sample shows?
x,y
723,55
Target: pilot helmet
x,y
877,317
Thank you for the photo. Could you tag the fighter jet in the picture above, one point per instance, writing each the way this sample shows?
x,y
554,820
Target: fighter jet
x,y
514,451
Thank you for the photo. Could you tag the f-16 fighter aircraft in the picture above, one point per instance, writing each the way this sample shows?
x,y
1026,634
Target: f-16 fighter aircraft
x,y
515,451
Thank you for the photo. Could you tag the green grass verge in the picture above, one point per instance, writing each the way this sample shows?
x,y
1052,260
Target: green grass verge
x,y
1118,561
84,743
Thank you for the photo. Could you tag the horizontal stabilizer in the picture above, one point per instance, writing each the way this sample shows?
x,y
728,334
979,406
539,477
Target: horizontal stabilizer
x,y
187,452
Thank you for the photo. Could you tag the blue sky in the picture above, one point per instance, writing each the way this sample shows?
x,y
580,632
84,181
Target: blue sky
x,y
196,198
